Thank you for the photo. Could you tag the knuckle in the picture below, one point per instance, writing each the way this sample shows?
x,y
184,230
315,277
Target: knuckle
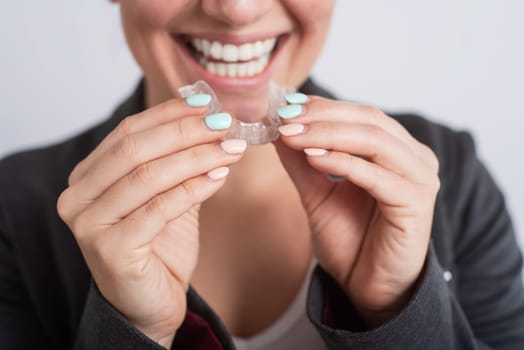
x,y
125,127
126,148
169,107
348,162
180,133
378,117
322,105
189,192
63,205
373,111
376,135
142,175
196,156
376,178
136,272
158,206
430,157
433,159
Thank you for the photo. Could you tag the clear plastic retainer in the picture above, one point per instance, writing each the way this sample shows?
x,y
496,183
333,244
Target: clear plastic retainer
x,y
258,133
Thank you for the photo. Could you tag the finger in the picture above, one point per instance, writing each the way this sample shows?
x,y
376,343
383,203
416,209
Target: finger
x,y
157,115
141,226
319,109
302,175
364,140
385,186
155,177
136,149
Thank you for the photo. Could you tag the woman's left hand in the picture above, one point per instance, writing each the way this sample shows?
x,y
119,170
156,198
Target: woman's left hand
x,y
370,231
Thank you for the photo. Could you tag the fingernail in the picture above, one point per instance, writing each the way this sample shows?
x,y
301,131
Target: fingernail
x,y
315,151
198,100
290,111
296,98
218,121
335,178
291,129
218,173
234,146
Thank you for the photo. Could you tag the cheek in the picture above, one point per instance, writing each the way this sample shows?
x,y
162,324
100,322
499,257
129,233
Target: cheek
x,y
312,18
311,14
149,14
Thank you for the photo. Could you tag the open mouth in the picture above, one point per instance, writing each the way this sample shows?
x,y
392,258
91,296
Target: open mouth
x,y
230,60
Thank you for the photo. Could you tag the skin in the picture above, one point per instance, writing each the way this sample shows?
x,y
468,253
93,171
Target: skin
x,y
147,25
134,203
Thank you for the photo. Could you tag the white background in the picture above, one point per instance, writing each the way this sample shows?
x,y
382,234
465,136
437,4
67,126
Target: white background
x,y
458,62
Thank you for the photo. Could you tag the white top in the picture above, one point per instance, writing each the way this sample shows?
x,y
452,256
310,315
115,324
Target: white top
x,y
292,330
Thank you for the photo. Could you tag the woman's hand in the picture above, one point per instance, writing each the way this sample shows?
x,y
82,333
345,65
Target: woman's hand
x,y
370,230
133,206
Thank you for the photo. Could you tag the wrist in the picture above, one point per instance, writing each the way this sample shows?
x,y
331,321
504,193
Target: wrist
x,y
167,341
375,316
163,338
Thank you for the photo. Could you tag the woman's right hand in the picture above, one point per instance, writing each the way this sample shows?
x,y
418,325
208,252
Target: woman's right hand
x,y
133,205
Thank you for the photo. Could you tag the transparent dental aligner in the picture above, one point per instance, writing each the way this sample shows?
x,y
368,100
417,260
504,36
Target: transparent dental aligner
x,y
258,133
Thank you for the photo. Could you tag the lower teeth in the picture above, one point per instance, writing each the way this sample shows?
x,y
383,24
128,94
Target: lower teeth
x,y
232,70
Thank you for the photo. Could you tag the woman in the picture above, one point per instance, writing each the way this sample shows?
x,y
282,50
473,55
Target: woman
x,y
101,234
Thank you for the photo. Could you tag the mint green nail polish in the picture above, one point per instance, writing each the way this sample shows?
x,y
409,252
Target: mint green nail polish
x,y
290,111
218,121
198,100
296,98
335,178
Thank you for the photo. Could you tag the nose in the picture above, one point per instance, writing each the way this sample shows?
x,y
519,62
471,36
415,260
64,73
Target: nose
x,y
237,12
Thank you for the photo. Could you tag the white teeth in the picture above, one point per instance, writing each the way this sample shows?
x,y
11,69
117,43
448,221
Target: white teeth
x,y
231,60
242,69
198,44
250,68
230,53
216,50
269,44
233,53
258,49
234,70
245,52
221,69
262,63
211,67
205,47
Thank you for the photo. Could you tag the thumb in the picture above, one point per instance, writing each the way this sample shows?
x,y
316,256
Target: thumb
x,y
311,184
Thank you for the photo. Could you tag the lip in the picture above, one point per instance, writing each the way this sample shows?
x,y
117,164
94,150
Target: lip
x,y
223,82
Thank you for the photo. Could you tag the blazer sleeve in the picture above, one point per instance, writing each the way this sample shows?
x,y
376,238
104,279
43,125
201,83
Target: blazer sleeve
x,y
102,327
486,308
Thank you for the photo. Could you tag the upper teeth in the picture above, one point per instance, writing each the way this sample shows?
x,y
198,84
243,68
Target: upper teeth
x,y
233,53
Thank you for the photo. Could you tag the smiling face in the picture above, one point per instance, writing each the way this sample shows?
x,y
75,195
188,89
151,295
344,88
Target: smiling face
x,y
237,46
